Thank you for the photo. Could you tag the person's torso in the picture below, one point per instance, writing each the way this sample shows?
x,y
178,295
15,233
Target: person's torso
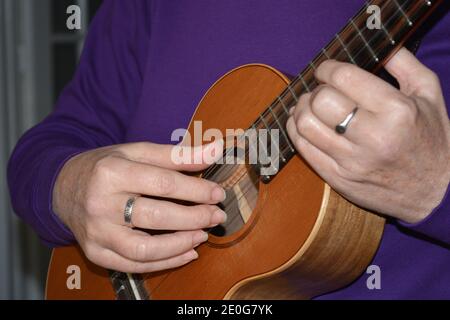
x,y
193,43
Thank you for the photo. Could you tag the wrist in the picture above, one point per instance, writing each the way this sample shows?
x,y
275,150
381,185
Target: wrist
x,y
438,188
63,188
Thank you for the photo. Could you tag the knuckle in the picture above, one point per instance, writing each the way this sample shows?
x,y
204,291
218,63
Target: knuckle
x,y
141,251
105,169
202,216
303,100
431,77
304,124
342,74
92,205
404,113
153,217
387,147
102,167
322,97
164,183
398,103
90,252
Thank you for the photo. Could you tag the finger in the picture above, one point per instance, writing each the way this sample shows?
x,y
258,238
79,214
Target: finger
x,y
331,107
367,90
140,178
322,163
180,158
413,77
113,261
140,246
154,214
318,134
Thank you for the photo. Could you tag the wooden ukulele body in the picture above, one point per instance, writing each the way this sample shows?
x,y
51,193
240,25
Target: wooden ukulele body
x,y
302,238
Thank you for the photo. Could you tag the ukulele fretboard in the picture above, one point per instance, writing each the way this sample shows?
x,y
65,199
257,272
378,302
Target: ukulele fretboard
x,y
357,43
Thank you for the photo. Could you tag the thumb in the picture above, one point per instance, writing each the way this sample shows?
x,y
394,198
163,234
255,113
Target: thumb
x,y
414,77
186,158
179,157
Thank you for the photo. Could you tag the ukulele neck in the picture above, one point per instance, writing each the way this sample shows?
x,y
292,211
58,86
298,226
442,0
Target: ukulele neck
x,y
128,286
368,40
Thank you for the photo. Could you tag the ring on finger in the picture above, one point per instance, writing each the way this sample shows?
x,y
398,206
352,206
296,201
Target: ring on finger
x,y
341,128
128,212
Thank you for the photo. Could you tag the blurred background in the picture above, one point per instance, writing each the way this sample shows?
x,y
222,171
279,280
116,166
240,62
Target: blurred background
x,y
38,56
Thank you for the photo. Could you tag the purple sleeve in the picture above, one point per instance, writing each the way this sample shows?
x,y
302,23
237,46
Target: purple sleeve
x,y
437,224
90,113
434,52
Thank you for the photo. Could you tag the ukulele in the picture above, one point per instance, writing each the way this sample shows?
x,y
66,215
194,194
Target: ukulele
x,y
288,234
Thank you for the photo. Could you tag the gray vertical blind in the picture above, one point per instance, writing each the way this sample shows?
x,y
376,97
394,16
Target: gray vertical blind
x,y
27,94
23,258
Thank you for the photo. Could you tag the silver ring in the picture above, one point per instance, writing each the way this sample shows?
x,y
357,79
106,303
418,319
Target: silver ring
x,y
342,127
129,210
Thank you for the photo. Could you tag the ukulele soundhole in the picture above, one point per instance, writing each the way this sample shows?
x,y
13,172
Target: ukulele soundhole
x,y
241,185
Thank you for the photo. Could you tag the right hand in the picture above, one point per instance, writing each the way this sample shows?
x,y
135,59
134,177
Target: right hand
x,y
92,189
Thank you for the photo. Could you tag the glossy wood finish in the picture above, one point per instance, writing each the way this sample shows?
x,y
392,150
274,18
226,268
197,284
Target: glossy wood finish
x,y
304,238
95,283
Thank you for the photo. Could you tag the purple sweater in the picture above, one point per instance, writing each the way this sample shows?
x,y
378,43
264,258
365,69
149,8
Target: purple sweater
x,y
145,67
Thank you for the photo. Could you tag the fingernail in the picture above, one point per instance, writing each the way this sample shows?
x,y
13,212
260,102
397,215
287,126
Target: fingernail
x,y
218,217
193,255
200,238
218,194
291,111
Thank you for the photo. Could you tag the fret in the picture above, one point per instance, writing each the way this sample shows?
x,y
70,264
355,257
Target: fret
x,y
283,132
265,179
127,286
304,83
294,95
263,120
400,8
283,105
134,288
383,28
120,286
391,39
122,293
355,44
338,37
256,132
266,126
365,41
250,144
326,53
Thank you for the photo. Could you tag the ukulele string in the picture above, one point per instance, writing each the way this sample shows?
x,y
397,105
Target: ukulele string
x,y
227,153
285,93
146,276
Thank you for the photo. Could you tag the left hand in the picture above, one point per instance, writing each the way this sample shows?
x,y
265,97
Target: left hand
x,y
394,157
